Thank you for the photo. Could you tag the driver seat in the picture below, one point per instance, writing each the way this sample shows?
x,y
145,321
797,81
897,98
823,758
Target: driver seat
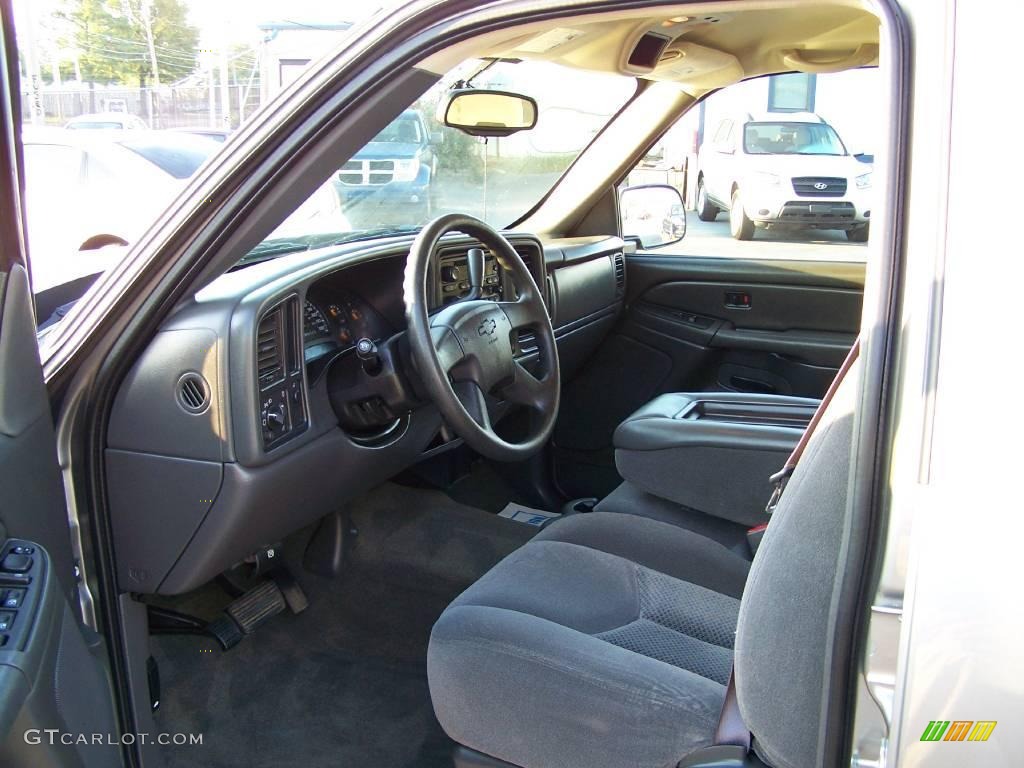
x,y
607,641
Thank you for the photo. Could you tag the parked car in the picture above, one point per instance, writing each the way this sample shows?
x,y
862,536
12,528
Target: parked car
x,y
106,188
107,121
216,134
395,171
787,171
674,225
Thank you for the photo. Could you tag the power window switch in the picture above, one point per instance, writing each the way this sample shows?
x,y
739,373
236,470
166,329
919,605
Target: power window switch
x,y
6,620
16,563
13,599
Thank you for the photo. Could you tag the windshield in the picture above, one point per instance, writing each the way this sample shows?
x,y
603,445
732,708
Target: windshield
x,y
416,168
791,138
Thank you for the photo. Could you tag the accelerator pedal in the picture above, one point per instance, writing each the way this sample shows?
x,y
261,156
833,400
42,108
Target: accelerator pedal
x,y
245,614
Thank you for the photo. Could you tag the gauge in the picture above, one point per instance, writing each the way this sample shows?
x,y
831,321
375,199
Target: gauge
x,y
314,323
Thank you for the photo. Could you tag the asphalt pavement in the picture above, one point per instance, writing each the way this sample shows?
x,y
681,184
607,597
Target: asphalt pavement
x,y
712,238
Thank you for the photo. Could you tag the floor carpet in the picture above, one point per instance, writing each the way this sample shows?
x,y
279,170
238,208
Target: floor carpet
x,y
343,683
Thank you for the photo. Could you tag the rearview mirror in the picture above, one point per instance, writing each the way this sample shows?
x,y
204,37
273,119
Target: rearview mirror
x,y
481,112
652,215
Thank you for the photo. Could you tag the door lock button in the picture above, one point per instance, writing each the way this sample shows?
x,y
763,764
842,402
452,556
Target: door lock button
x,y
13,599
6,620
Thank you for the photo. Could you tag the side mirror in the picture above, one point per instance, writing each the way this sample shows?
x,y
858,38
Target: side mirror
x,y
481,112
437,138
652,214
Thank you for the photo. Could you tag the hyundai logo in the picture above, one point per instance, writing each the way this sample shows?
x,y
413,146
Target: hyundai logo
x,y
487,327
819,185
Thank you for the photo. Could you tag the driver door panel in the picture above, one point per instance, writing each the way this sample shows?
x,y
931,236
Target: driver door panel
x,y
54,686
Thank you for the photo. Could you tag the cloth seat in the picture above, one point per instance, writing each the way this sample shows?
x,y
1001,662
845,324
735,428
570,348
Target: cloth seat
x,y
607,640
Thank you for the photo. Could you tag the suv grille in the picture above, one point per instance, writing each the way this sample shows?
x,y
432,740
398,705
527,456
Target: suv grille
x,y
367,172
819,186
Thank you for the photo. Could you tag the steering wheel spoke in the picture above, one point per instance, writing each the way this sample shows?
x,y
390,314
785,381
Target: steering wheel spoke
x,y
520,314
447,348
526,389
474,401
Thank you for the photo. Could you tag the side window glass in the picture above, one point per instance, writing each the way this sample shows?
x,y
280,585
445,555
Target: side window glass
x,y
797,184
725,142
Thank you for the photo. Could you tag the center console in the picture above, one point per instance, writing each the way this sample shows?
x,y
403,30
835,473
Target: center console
x,y
711,451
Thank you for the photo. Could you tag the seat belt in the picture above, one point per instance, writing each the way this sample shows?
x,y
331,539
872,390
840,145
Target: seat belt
x,y
781,478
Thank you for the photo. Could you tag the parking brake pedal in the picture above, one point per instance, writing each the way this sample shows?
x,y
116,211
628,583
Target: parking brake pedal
x,y
245,614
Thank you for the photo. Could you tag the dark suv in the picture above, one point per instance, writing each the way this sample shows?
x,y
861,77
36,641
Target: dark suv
x,y
394,171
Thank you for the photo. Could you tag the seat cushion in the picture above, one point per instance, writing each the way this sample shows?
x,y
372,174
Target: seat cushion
x,y
605,641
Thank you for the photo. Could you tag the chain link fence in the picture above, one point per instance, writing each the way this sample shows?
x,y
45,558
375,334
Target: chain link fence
x,y
167,107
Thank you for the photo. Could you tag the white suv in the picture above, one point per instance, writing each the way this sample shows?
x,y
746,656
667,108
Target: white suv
x,y
785,171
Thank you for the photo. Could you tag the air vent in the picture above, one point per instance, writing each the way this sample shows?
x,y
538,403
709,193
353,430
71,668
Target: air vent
x,y
527,342
193,393
269,365
619,260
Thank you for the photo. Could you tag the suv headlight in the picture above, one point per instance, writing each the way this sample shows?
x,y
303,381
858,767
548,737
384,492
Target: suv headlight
x,y
764,179
407,170
863,181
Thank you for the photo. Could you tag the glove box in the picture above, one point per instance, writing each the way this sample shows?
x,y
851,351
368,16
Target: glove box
x,y
712,451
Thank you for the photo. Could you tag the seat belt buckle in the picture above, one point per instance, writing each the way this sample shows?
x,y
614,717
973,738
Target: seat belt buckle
x,y
778,481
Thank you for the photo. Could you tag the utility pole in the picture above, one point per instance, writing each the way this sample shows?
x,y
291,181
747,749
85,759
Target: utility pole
x,y
225,91
212,92
34,72
147,25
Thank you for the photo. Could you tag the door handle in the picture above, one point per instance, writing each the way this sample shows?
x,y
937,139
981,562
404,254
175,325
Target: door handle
x,y
738,300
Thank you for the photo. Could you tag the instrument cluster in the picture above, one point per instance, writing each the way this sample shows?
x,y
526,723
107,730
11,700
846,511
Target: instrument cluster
x,y
334,320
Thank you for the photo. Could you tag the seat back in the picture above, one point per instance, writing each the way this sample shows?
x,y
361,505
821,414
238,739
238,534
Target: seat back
x,y
783,629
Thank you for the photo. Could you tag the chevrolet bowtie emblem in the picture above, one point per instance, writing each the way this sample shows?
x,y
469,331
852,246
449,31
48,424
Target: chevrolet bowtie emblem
x,y
487,327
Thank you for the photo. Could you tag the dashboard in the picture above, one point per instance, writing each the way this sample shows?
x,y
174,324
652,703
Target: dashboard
x,y
235,426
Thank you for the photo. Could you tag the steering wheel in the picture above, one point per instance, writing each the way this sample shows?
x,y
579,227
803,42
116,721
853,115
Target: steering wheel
x,y
464,353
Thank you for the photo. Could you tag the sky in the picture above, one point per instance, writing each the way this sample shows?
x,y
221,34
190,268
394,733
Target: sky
x,y
236,21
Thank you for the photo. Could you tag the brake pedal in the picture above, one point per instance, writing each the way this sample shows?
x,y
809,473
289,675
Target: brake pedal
x,y
245,614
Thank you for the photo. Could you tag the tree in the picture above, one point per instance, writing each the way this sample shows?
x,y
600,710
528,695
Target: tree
x,y
132,41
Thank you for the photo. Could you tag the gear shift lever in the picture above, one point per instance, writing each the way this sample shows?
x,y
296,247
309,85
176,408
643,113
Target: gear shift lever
x,y
475,263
